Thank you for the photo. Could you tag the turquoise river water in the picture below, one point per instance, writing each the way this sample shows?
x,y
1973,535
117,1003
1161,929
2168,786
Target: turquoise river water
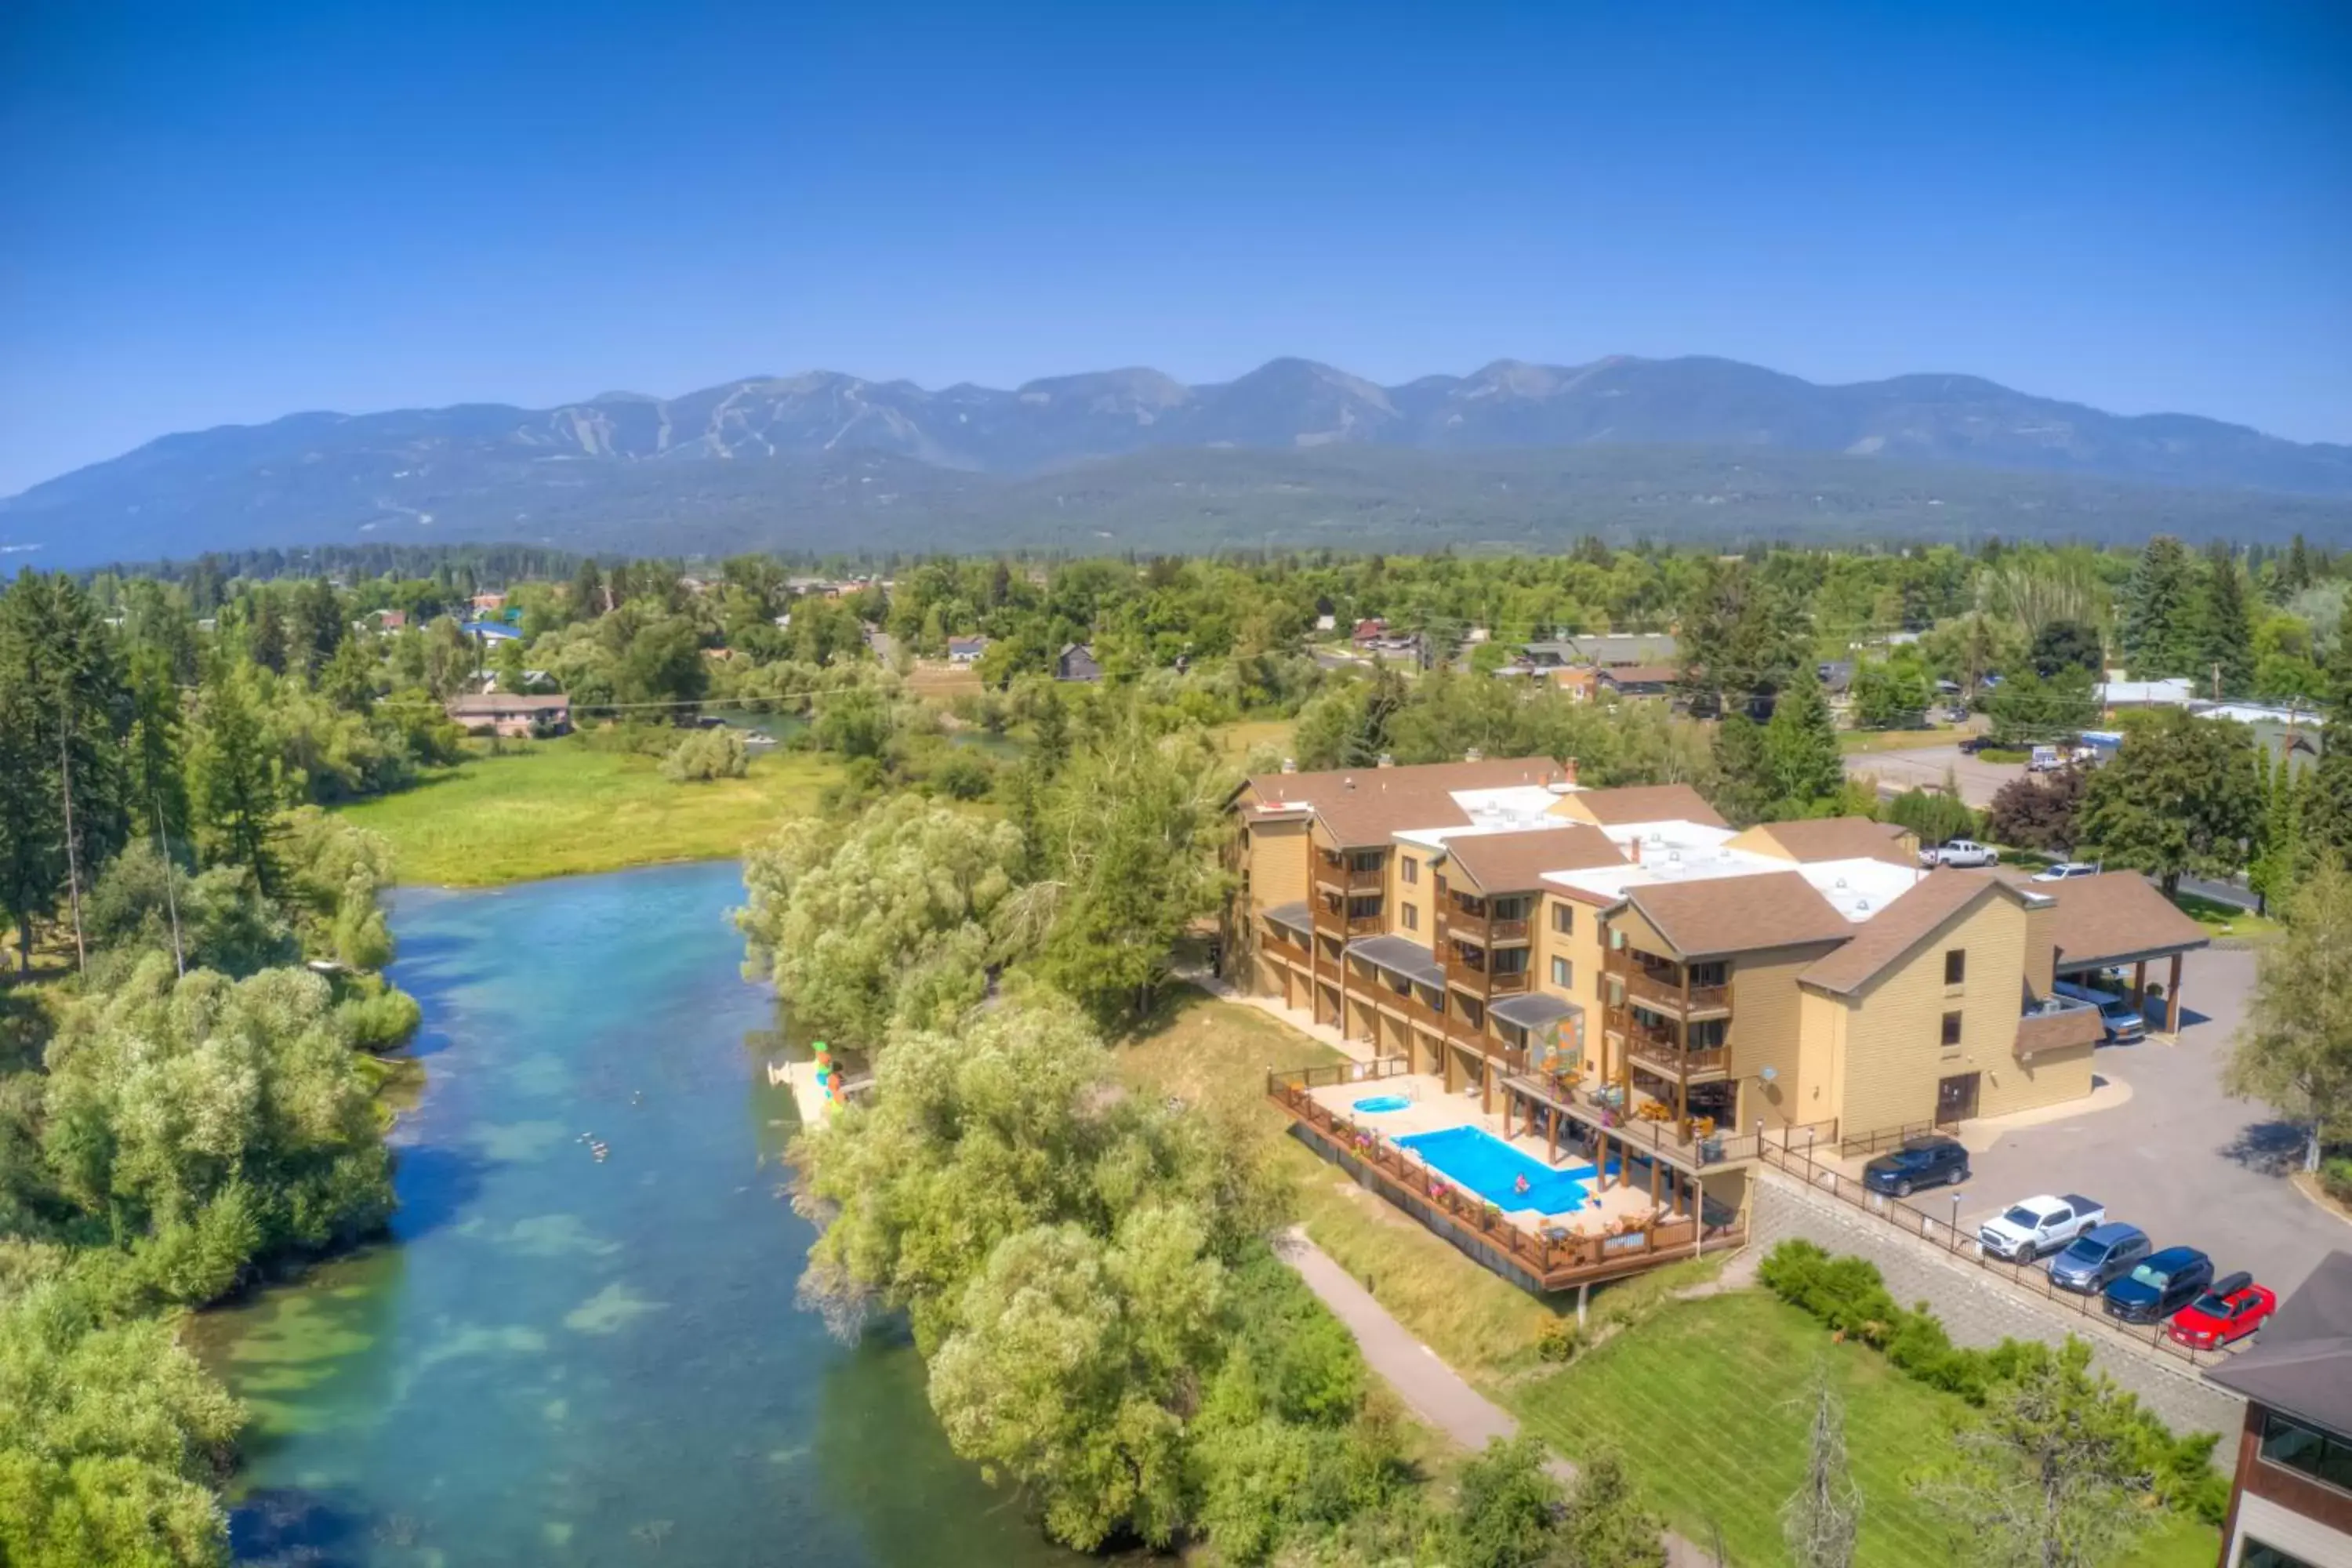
x,y
561,1360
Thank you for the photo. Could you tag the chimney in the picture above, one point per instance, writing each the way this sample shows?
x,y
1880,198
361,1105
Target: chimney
x,y
1635,844
1387,760
1473,755
1571,770
1290,765
1348,782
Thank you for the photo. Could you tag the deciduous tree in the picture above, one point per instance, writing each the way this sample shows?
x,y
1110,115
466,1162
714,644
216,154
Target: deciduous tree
x,y
2182,795
2294,1050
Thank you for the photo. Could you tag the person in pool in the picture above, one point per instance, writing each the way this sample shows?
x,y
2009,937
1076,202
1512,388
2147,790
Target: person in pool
x,y
1519,1183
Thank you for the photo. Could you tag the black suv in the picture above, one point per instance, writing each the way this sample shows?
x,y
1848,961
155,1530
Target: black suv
x,y
1921,1163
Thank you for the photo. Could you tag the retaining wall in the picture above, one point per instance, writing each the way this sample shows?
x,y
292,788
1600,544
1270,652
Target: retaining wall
x,y
1976,1309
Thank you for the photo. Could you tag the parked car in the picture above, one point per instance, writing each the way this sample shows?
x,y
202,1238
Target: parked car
x,y
2065,870
2122,1019
1921,1163
2098,1256
2232,1308
1960,852
1975,743
2043,760
2160,1285
2026,1230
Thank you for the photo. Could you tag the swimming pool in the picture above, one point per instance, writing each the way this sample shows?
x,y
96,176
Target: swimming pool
x,y
1491,1168
1373,1104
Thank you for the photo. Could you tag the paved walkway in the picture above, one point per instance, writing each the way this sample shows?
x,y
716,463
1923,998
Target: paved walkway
x,y
1431,1389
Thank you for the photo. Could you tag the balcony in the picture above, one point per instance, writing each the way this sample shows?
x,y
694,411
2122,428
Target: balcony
x,y
1659,1047
1660,988
1339,874
1472,922
1473,970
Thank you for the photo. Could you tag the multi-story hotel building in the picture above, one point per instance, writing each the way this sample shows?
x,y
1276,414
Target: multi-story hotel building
x,y
1625,971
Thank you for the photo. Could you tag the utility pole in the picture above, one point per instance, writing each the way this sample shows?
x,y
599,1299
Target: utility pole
x,y
73,856
171,899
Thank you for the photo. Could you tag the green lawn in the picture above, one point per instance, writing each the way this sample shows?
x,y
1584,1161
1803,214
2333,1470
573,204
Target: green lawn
x,y
1707,1402
2226,919
559,809
1850,741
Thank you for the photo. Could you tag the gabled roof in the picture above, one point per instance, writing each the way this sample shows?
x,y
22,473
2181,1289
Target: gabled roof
x,y
1640,674
1717,915
1882,941
1829,838
1515,862
2117,916
2302,1362
1360,807
1642,803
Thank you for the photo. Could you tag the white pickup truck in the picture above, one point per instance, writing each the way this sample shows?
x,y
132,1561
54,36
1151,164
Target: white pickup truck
x,y
2027,1229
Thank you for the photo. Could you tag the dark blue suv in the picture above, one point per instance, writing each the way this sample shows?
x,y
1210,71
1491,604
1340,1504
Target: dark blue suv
x,y
2162,1285
1922,1163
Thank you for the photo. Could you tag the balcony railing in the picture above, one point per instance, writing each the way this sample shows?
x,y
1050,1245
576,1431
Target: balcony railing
x,y
1479,975
1339,922
1671,1061
1657,989
1342,877
1486,930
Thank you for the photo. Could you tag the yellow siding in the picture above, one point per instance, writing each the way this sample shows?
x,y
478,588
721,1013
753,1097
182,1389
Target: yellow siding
x,y
1581,948
1821,1059
2040,948
1894,1052
2049,1078
1278,864
1401,893
1640,934
1767,1017
1571,807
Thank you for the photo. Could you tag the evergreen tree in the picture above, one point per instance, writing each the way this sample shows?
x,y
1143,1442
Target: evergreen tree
x,y
587,599
2294,1050
158,782
2327,804
1800,748
1747,788
2063,643
2160,630
265,637
2184,794
2227,654
234,778
2295,572
2280,846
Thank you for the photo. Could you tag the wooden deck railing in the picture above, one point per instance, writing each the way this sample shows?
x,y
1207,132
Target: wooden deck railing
x,y
1669,994
1783,1153
1556,1263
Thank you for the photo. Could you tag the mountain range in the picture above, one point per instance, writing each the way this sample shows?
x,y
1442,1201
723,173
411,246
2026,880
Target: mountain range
x,y
1294,452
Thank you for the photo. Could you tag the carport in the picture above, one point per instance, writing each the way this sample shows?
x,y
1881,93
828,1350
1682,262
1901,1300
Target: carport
x,y
2120,918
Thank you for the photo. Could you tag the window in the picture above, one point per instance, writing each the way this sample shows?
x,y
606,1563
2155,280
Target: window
x,y
1951,1030
1563,919
1510,908
1955,965
1364,907
2259,1554
2316,1454
1412,911
1709,1034
1409,869
1510,960
1563,974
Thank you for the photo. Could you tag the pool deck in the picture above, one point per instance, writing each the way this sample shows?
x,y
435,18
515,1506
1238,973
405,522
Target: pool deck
x,y
1432,1110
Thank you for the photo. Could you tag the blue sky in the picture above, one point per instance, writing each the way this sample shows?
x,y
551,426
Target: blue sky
x,y
224,212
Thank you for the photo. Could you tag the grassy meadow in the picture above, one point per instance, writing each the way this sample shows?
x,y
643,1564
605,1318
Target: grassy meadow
x,y
555,808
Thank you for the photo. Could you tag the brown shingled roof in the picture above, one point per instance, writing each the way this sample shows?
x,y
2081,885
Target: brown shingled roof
x,y
2114,916
1362,807
1901,926
1648,803
1837,839
1711,915
1515,862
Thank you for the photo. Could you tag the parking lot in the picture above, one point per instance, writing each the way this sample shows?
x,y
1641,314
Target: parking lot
x,y
2178,1159
1925,766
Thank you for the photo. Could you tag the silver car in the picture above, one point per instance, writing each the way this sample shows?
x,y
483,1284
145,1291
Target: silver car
x,y
2097,1257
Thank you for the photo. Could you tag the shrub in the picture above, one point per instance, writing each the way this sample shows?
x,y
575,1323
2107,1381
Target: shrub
x,y
1559,1341
2336,1178
706,756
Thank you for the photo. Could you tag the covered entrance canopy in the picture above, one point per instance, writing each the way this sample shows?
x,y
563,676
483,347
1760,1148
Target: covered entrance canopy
x,y
2119,920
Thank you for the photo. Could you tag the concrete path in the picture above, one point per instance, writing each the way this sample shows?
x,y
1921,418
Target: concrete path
x,y
1431,1389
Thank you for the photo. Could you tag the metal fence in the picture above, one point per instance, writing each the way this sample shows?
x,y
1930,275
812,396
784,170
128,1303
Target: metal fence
x,y
2031,1279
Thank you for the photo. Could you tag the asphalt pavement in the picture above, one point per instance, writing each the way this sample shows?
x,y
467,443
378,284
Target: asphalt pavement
x,y
1924,767
2178,1159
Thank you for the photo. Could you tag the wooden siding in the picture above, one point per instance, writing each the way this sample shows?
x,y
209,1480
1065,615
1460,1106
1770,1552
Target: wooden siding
x,y
1278,864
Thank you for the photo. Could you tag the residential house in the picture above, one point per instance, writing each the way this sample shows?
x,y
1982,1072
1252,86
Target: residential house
x,y
515,716
488,604
391,620
1076,662
1601,650
966,650
2115,694
1368,631
2290,1498
1618,978
1638,679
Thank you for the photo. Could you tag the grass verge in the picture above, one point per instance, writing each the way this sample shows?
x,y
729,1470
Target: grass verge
x,y
2226,920
557,809
1707,1404
1854,742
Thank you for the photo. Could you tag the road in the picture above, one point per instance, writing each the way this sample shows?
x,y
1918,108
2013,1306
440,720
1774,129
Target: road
x,y
2180,1158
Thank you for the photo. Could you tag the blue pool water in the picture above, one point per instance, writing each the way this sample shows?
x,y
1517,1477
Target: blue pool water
x,y
1491,1168
1372,1104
